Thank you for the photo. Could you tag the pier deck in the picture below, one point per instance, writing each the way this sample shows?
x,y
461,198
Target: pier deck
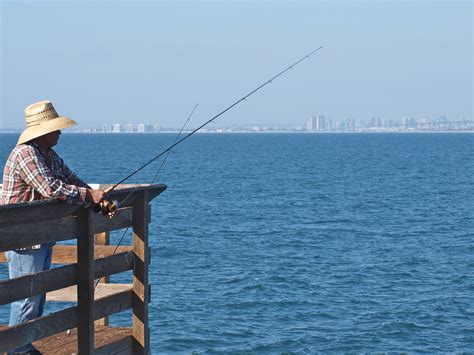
x,y
108,340
92,258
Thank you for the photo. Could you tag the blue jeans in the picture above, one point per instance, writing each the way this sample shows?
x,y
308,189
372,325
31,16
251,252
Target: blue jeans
x,y
24,262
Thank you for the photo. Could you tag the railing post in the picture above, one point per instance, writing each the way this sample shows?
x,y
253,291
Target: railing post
x,y
85,282
141,294
102,239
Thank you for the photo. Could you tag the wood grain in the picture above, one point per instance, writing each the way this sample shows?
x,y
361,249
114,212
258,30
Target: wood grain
x,y
36,211
69,294
16,336
38,283
60,277
101,239
14,236
85,282
40,328
67,254
27,234
141,333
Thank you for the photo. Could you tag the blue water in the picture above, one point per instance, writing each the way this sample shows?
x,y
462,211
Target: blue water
x,y
301,242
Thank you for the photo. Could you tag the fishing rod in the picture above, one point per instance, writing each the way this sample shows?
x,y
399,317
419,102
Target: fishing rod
x,y
130,194
111,206
166,156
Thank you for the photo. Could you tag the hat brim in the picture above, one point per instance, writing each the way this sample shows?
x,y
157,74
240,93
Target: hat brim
x,y
46,127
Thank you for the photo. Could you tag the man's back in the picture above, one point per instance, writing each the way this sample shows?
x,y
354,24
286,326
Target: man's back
x,y
31,175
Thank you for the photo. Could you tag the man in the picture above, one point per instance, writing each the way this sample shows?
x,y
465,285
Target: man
x,y
34,171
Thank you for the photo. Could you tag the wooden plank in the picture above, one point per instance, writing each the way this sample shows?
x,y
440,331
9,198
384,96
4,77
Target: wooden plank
x,y
62,343
67,254
114,264
34,211
37,283
102,251
64,276
115,340
85,282
40,328
124,190
69,294
139,331
112,304
101,239
122,219
14,236
40,210
139,247
139,289
141,334
108,340
121,346
27,234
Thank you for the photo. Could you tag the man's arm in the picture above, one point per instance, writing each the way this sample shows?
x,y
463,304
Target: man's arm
x,y
94,196
34,171
72,178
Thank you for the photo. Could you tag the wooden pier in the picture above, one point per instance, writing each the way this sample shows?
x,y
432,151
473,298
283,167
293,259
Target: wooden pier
x,y
82,328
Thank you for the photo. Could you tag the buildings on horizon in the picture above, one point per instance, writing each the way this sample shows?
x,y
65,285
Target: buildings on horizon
x,y
314,123
320,123
130,128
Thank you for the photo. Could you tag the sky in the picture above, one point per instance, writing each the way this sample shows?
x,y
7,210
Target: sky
x,y
152,61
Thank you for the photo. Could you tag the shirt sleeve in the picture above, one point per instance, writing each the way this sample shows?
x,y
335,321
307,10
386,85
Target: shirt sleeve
x,y
33,170
71,177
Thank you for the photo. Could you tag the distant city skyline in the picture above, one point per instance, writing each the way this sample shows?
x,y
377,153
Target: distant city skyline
x,y
315,123
380,59
318,122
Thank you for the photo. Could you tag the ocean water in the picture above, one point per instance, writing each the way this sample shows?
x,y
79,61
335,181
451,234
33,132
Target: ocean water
x,y
271,243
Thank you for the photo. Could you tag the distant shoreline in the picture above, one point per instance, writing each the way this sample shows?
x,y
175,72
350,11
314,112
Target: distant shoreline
x,y
259,132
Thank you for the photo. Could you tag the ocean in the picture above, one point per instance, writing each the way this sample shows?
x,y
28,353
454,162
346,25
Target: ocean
x,y
289,243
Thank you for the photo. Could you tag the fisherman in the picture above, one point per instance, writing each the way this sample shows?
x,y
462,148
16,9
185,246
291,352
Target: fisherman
x,y
34,171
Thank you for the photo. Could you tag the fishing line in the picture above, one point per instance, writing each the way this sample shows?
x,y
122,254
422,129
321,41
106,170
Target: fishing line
x,y
212,119
113,206
166,156
156,175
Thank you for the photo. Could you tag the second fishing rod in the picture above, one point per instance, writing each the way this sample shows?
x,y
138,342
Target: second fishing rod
x,y
112,206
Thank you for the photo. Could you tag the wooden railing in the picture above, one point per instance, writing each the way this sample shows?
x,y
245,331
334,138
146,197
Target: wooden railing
x,y
39,222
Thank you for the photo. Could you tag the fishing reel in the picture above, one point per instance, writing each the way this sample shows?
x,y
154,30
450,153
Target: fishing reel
x,y
107,208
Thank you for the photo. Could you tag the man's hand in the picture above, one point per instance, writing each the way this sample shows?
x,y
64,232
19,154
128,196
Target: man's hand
x,y
94,196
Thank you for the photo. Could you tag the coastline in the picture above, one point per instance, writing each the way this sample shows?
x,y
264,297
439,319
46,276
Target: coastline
x,y
264,132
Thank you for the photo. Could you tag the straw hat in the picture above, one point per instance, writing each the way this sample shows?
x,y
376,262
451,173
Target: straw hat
x,y
41,119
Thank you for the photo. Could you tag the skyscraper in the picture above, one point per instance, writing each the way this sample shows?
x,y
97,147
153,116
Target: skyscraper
x,y
316,123
320,123
311,123
350,124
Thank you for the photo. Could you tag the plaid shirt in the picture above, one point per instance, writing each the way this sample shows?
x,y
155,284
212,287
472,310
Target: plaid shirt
x,y
30,175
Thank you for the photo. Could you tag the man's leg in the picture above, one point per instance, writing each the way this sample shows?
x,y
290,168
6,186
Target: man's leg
x,y
46,266
24,262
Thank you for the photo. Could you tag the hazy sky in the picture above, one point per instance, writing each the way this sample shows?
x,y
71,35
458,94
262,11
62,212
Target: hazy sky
x,y
151,61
